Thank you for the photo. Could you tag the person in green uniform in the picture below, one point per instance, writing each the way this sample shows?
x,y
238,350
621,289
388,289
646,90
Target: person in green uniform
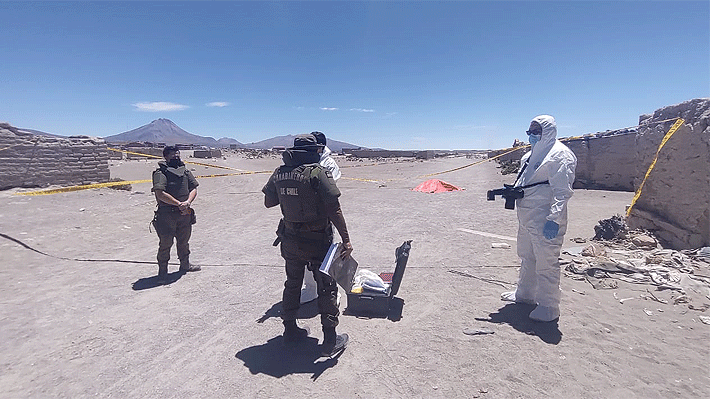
x,y
175,189
308,197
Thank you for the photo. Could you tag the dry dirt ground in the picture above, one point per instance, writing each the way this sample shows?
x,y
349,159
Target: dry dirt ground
x,y
87,319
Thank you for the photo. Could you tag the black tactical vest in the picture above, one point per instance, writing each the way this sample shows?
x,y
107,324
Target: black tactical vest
x,y
296,188
178,186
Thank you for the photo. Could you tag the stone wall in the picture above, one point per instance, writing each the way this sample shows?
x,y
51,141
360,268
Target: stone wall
x,y
213,153
605,161
380,153
674,200
28,160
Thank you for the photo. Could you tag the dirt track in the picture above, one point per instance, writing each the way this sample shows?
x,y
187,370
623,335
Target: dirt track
x,y
95,323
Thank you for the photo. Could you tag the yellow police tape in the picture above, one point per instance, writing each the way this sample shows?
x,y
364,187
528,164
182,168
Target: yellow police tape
x,y
83,187
668,135
476,163
121,183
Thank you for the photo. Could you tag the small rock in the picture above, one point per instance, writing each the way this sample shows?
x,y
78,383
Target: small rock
x,y
644,241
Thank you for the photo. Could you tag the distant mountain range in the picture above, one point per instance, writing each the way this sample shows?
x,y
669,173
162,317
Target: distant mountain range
x,y
287,141
165,131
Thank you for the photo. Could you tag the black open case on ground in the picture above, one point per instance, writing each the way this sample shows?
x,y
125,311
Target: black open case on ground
x,y
371,303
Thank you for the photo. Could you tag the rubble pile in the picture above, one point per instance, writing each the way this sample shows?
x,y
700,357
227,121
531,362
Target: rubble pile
x,y
636,257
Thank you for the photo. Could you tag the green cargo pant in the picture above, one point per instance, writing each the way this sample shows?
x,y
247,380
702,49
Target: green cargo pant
x,y
170,224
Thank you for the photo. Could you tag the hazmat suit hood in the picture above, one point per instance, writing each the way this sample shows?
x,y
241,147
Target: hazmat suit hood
x,y
326,152
537,154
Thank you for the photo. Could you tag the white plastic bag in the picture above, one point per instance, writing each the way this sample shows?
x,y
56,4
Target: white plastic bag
x,y
369,281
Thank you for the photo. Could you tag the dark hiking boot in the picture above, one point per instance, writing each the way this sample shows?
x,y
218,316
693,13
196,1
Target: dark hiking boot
x,y
293,333
186,266
333,343
162,273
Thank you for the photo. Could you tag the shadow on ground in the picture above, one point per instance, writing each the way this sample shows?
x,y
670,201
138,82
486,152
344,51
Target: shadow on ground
x,y
396,305
310,310
516,315
307,310
152,282
277,360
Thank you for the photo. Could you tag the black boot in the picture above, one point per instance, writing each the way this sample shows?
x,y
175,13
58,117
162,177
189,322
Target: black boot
x,y
163,273
333,343
293,333
186,266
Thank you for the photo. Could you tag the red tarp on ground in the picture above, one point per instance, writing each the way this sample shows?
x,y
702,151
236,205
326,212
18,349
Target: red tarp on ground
x,y
435,186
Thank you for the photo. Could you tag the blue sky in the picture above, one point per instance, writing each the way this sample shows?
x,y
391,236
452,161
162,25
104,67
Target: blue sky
x,y
397,75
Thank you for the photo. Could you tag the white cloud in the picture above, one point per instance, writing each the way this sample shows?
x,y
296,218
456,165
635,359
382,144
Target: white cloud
x,y
328,109
217,104
159,106
362,110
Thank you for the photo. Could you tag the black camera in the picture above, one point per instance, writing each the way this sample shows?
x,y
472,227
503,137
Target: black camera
x,y
508,192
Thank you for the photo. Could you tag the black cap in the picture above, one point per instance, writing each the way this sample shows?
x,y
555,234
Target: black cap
x,y
306,142
320,137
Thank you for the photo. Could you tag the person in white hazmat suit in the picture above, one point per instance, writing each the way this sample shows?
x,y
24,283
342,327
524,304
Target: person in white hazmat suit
x,y
542,217
309,291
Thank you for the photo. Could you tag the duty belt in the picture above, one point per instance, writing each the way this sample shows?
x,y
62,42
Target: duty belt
x,y
168,208
309,231
316,225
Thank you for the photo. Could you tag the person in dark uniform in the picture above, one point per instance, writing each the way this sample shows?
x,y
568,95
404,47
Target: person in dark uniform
x,y
175,189
310,207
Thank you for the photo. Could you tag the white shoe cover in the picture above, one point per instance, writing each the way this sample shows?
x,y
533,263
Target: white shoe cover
x,y
510,297
545,313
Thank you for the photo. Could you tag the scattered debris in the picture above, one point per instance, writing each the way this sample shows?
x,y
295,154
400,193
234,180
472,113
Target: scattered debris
x,y
681,299
503,245
593,250
621,301
478,331
609,229
509,167
656,298
125,187
636,257
700,308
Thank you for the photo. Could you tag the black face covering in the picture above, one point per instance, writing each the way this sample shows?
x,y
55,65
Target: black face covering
x,y
174,163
